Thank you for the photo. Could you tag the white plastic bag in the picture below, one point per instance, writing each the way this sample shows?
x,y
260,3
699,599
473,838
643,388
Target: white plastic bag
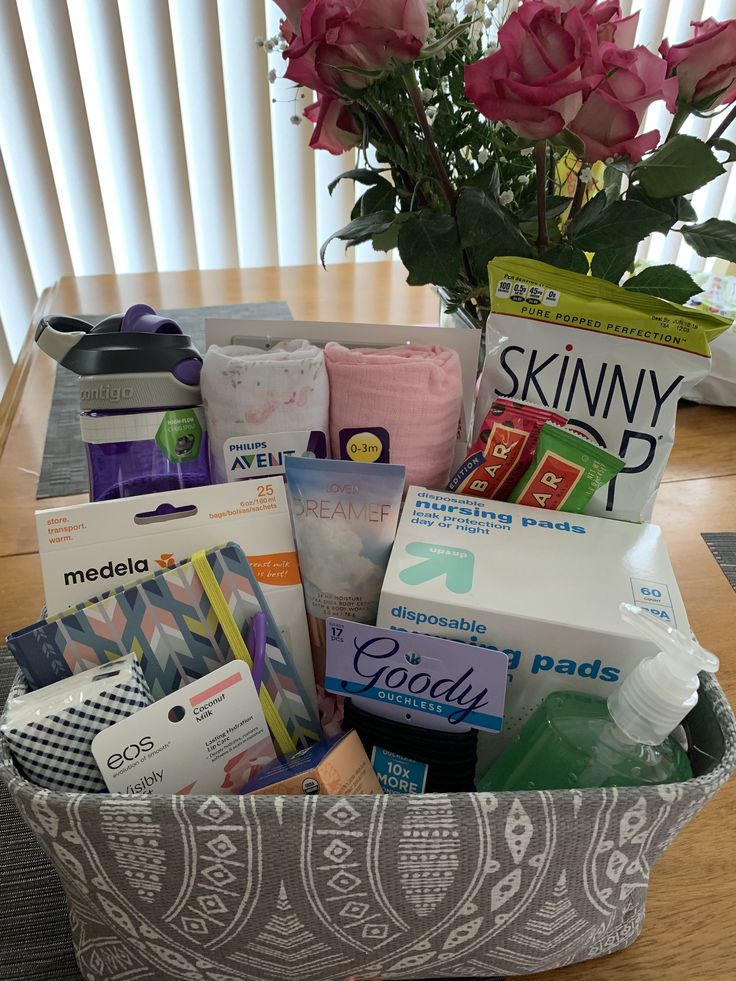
x,y
718,387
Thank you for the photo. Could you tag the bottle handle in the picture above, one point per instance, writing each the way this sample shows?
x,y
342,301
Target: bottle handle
x,y
57,336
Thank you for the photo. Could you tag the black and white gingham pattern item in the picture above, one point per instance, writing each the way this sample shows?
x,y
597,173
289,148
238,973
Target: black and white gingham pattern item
x,y
56,753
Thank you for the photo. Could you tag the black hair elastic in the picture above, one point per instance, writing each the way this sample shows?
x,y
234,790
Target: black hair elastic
x,y
450,756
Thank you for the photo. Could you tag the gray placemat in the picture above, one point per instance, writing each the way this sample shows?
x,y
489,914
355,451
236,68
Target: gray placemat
x,y
35,943
64,465
723,546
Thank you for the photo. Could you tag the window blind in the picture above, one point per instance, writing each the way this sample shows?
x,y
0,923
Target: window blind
x,y
145,135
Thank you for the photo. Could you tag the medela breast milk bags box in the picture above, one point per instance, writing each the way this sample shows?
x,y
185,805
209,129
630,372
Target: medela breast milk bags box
x,y
544,587
88,549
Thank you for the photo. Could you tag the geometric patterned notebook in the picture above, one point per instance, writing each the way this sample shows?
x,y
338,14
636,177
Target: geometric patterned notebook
x,y
166,619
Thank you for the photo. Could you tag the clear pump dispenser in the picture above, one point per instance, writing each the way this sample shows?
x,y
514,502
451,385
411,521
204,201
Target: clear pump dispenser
x,y
660,692
574,740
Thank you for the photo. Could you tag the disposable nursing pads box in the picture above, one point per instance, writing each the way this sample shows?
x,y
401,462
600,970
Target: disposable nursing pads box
x,y
544,587
89,549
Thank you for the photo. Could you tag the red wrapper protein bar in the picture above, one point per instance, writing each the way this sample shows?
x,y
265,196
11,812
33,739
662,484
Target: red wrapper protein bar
x,y
566,471
503,449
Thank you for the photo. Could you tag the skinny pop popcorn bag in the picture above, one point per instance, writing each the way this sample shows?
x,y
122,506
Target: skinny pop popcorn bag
x,y
613,361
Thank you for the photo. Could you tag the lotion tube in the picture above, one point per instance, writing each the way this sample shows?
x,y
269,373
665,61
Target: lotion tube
x,y
344,516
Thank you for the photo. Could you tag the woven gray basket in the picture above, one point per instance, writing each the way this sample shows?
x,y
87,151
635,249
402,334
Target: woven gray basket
x,y
321,888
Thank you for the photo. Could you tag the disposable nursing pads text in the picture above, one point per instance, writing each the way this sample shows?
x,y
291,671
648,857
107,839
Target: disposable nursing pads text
x,y
433,510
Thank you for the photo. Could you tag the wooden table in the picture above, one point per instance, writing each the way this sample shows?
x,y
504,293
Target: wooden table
x,y
690,929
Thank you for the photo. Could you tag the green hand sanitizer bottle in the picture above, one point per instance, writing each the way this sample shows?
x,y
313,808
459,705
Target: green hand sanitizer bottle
x,y
574,740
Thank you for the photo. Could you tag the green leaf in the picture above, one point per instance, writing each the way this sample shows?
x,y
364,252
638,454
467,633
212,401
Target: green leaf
x,y
362,175
432,50
380,197
668,206
621,163
623,222
588,216
520,143
727,146
374,73
487,179
611,264
482,220
555,204
612,183
677,209
566,257
429,247
569,141
712,238
685,210
385,241
494,184
669,282
360,230
680,166
702,107
487,229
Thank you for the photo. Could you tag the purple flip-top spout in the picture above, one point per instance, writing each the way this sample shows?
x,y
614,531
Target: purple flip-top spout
x,y
144,319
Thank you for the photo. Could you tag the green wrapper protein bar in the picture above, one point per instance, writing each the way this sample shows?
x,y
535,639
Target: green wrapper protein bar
x,y
566,471
613,361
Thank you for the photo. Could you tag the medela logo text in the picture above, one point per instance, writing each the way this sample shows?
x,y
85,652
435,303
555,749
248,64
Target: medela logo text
x,y
113,570
110,570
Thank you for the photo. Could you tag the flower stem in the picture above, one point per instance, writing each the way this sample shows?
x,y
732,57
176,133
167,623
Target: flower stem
x,y
577,199
720,130
677,120
412,86
540,160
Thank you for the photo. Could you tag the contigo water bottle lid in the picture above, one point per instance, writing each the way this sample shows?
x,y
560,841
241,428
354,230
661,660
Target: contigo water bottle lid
x,y
661,690
132,361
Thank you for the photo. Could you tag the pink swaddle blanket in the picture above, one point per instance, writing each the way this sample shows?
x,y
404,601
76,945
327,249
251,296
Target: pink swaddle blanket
x,y
413,391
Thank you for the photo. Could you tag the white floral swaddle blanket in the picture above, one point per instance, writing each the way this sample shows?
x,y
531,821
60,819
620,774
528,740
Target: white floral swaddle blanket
x,y
248,392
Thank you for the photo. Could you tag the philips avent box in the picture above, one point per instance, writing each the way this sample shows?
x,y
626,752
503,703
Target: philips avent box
x,y
544,587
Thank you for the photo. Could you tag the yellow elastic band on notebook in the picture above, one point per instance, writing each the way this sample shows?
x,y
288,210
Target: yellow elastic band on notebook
x,y
284,742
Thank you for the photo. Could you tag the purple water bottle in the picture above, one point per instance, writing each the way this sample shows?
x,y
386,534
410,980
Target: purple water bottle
x,y
141,418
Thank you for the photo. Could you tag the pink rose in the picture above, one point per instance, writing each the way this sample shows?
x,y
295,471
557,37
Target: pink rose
x,y
336,128
613,26
534,82
328,35
706,64
610,23
609,120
